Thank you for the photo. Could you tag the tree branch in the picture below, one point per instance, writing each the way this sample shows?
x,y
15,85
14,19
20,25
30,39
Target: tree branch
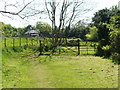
x,y
15,13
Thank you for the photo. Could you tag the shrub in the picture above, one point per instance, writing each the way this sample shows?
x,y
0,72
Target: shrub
x,y
107,50
116,58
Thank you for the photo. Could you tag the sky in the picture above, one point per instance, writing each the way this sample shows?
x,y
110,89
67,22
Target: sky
x,y
18,22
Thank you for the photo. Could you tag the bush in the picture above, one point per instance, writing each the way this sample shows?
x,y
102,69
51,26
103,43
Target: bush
x,y
99,51
116,58
107,50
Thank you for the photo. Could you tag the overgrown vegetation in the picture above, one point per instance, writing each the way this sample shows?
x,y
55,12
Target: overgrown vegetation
x,y
107,23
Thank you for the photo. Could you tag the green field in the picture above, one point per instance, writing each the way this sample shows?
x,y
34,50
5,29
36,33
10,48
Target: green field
x,y
27,70
23,68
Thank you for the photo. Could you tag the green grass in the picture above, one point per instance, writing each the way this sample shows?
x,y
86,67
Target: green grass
x,y
26,70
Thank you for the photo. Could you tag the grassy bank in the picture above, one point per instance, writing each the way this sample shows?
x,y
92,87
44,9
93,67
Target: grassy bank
x,y
27,70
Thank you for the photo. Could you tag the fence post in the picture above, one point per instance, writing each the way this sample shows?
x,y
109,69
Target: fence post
x,y
78,46
20,41
27,41
31,42
5,43
87,47
66,41
40,47
94,47
13,43
59,48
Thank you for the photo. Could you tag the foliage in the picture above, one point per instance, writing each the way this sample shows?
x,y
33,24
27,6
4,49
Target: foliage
x,y
27,28
107,50
115,32
21,31
44,29
116,58
115,36
79,30
9,31
103,34
104,15
108,23
101,20
93,34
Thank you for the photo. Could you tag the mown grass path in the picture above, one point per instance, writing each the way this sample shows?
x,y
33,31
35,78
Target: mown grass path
x,y
27,71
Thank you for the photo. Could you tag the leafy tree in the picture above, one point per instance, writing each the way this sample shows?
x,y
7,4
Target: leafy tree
x,y
7,30
1,26
93,34
44,29
20,31
101,19
103,38
115,33
114,27
29,27
79,30
103,16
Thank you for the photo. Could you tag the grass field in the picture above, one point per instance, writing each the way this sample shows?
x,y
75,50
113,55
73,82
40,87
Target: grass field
x,y
27,70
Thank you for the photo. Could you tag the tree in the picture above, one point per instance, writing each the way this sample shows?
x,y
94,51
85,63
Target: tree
x,y
44,29
103,16
22,9
93,34
67,11
20,32
101,19
8,30
115,33
79,30
1,26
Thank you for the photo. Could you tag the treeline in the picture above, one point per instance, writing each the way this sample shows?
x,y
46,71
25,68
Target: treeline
x,y
79,30
106,30
10,31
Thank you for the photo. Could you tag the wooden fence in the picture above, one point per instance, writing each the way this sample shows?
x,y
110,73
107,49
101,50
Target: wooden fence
x,y
71,46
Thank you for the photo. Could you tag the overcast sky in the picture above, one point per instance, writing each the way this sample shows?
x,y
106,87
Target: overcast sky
x,y
17,22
